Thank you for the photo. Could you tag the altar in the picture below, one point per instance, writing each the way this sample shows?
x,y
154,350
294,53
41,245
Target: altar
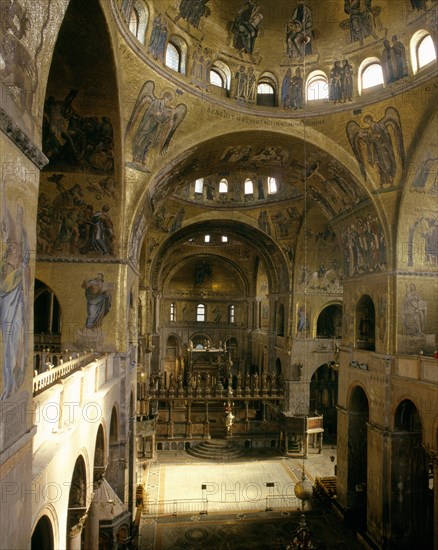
x,y
209,363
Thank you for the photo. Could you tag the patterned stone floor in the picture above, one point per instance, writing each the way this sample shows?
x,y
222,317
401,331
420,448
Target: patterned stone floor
x,y
258,531
242,511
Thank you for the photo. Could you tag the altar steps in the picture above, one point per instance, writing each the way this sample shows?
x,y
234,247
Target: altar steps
x,y
216,449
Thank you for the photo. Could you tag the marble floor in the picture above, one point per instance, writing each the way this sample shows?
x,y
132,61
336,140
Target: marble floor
x,y
246,503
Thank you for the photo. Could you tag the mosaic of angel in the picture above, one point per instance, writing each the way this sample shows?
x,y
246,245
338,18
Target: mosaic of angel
x,y
382,139
158,122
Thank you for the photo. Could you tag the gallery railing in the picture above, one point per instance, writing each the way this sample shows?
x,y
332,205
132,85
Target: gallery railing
x,y
53,374
178,507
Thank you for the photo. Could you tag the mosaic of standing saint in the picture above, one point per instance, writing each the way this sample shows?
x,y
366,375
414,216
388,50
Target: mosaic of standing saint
x,y
15,279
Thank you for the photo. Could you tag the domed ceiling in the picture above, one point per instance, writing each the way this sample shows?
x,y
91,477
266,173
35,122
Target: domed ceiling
x,y
270,33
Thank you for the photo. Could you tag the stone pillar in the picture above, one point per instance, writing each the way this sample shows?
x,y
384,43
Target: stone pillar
x,y
157,301
342,458
378,482
92,526
142,313
115,472
153,451
409,506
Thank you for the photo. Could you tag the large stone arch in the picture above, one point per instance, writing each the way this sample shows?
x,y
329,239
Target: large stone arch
x,y
189,165
43,535
49,529
266,247
88,91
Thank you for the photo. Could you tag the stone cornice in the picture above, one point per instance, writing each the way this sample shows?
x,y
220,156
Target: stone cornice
x,y
72,260
9,127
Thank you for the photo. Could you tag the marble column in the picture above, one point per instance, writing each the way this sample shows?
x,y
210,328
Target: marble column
x,y
75,523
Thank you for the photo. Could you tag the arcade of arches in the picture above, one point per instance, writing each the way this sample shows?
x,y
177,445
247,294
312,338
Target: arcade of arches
x,y
209,203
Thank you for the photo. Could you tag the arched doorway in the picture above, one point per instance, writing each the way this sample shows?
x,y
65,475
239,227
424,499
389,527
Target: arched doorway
x,y
42,536
365,324
324,399
46,324
329,324
170,359
411,499
358,415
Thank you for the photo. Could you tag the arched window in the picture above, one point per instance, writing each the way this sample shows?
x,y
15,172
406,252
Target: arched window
x,y
133,22
138,20
272,186
199,186
173,57
426,51
220,74
172,312
317,86
200,313
423,50
216,78
223,186
266,94
176,54
371,74
249,187
231,313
